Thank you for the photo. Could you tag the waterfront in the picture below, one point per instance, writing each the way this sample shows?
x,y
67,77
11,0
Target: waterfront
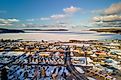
x,y
60,35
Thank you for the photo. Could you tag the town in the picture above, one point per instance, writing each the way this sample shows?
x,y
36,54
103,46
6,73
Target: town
x,y
57,60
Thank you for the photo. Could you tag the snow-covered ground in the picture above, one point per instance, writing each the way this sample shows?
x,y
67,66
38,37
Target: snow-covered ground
x,y
61,36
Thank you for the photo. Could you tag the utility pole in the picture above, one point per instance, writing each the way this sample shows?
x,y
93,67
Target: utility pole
x,y
86,57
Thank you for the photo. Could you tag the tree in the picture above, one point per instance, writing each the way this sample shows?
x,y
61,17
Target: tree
x,y
4,74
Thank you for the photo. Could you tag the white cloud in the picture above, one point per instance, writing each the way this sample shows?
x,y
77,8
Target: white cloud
x,y
108,21
97,11
113,9
5,24
108,24
8,21
13,20
2,21
97,18
58,16
71,9
44,19
30,20
55,17
108,18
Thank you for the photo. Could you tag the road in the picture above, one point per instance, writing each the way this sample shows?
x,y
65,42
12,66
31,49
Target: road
x,y
76,75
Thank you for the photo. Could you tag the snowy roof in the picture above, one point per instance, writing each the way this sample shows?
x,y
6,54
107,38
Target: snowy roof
x,y
77,44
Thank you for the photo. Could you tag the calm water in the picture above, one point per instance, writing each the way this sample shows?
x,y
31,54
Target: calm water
x,y
64,36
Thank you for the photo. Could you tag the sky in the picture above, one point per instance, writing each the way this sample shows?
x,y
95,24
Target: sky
x,y
24,13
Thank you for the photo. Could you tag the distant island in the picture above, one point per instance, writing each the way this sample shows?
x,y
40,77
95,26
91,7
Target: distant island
x,y
45,29
3,30
109,30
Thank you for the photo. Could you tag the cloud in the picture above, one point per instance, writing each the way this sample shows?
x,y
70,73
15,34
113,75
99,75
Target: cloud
x,y
97,11
108,24
54,17
1,24
97,18
66,13
44,19
108,21
8,21
71,9
30,20
113,9
58,16
108,18
13,20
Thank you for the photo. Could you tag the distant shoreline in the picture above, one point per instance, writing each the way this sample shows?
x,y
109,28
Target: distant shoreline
x,y
44,29
108,30
3,30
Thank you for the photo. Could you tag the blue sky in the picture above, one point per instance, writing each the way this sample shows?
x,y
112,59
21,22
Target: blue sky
x,y
53,11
